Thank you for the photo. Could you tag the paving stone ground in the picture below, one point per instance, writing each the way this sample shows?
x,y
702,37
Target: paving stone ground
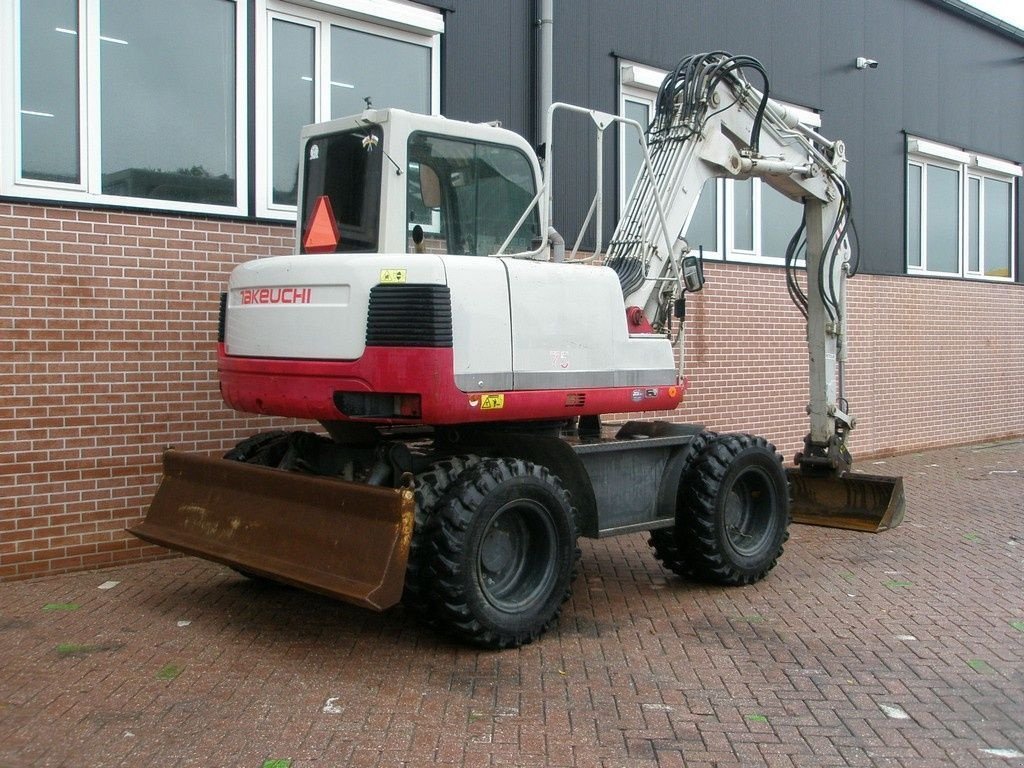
x,y
902,649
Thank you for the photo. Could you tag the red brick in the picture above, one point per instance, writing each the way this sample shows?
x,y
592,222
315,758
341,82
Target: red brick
x,y
109,337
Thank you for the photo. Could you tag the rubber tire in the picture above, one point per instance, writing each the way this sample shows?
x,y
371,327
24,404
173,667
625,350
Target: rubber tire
x,y
431,485
265,449
533,555
663,540
737,482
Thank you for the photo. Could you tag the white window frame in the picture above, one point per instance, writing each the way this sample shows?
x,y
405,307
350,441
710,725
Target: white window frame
x,y
922,154
639,84
385,18
89,189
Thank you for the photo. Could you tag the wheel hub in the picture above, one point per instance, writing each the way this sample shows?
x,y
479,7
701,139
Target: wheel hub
x,y
516,556
748,511
496,552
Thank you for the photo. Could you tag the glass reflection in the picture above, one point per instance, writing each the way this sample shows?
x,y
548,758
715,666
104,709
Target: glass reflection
x,y
293,102
390,73
167,90
49,91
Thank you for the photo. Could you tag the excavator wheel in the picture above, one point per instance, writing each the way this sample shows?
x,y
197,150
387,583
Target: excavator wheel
x,y
264,448
663,540
504,553
431,485
733,517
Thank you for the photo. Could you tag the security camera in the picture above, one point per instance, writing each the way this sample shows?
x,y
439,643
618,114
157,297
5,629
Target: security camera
x,y
863,63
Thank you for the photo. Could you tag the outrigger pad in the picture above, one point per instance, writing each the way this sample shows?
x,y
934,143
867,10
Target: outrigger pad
x,y
341,539
869,503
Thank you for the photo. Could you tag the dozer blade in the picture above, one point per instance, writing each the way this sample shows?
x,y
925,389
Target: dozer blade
x,y
341,539
870,503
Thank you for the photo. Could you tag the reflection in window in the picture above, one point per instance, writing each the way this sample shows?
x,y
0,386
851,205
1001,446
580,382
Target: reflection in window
x,y
344,170
168,100
914,216
973,224
702,231
942,236
998,204
780,219
482,191
49,91
632,153
743,214
322,70
293,94
390,73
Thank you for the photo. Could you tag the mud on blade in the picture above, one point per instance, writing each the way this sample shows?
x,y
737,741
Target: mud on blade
x,y
341,539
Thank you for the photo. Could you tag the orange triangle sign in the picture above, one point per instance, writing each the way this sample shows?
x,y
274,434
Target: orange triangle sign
x,y
322,231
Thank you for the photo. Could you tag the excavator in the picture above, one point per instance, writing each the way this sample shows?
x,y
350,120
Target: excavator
x,y
460,363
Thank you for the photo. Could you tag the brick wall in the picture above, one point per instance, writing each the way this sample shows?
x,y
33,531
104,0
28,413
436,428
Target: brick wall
x,y
108,323
107,339
932,361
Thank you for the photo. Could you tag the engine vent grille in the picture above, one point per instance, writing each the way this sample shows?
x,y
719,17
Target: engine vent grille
x,y
222,317
409,316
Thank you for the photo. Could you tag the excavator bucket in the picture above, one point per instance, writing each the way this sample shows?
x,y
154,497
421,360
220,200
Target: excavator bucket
x,y
345,540
869,503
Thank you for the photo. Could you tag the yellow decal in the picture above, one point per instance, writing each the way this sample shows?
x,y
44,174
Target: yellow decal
x,y
492,402
392,276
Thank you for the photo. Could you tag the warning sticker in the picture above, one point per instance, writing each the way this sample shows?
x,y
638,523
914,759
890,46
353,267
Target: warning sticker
x,y
392,276
492,402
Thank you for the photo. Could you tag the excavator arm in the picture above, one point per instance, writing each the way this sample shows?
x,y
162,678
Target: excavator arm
x,y
711,122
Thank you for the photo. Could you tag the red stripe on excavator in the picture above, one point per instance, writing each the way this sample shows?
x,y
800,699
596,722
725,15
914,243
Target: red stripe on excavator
x,y
305,389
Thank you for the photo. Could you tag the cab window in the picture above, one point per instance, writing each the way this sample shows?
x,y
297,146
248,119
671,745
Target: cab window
x,y
465,197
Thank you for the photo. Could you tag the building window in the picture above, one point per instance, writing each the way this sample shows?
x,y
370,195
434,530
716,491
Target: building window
x,y
961,212
325,64
157,121
734,220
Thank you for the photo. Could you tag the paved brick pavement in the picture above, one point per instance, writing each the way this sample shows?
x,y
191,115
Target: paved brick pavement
x,y
904,649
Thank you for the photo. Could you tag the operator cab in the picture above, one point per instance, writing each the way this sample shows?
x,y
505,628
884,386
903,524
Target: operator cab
x,y
390,181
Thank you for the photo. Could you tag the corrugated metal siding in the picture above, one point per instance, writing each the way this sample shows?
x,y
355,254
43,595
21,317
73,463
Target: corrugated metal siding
x,y
489,63
940,76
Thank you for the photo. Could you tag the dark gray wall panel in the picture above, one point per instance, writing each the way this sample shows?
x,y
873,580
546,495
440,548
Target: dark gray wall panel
x,y
488,63
940,76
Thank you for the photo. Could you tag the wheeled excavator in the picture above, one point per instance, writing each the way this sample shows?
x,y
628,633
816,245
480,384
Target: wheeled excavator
x,y
459,365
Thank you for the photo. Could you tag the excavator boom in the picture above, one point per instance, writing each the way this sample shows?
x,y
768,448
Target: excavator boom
x,y
711,122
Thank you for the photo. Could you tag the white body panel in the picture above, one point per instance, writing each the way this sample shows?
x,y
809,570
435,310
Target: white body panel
x,y
481,323
516,324
328,322
569,330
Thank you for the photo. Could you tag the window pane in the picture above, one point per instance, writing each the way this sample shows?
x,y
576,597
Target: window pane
x,y
293,84
483,190
973,225
914,216
348,173
357,73
998,204
743,215
703,227
167,90
49,90
780,219
943,235
632,155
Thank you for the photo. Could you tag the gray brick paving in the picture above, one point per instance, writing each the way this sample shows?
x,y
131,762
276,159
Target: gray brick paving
x,y
904,649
